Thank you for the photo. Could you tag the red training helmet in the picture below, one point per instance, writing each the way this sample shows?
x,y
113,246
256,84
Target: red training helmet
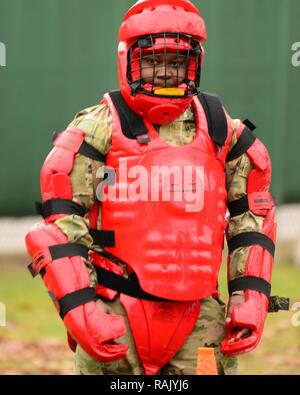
x,y
160,44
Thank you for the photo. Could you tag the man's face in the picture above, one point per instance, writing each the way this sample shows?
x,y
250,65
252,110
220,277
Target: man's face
x,y
164,70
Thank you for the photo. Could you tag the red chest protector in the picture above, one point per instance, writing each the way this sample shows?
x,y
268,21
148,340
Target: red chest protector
x,y
168,230
173,238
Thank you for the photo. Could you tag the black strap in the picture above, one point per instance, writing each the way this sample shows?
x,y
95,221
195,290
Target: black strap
x,y
33,273
68,249
249,124
61,251
245,141
249,282
75,299
132,124
85,149
129,286
251,238
59,206
238,207
105,238
91,152
215,116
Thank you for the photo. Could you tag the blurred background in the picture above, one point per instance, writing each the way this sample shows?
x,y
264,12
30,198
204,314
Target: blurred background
x,y
61,58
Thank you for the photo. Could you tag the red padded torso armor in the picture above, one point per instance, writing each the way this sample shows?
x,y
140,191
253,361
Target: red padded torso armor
x,y
174,247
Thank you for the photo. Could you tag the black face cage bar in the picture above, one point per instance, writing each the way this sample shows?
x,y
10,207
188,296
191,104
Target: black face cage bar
x,y
181,57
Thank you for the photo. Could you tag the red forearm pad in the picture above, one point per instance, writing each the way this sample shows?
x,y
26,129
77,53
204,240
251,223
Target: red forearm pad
x,y
87,325
252,313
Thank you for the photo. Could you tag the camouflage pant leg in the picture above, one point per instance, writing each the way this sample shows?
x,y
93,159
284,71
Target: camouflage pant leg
x,y
209,331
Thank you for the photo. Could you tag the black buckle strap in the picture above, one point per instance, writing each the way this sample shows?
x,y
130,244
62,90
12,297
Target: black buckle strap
x,y
59,206
249,124
254,201
249,282
104,238
91,152
68,250
133,126
245,141
251,238
238,207
130,287
61,251
72,300
260,201
254,283
215,116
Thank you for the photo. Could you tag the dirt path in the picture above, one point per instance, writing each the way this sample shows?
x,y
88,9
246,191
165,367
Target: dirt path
x,y
35,357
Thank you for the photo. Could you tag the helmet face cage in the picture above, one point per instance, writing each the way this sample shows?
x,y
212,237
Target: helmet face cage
x,y
176,51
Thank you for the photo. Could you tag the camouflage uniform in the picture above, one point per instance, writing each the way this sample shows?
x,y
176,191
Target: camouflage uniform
x,y
209,330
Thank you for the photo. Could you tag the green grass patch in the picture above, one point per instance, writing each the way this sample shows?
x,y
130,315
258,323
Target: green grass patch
x,y
30,313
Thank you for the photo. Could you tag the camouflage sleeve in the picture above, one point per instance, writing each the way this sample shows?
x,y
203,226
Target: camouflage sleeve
x,y
96,122
236,183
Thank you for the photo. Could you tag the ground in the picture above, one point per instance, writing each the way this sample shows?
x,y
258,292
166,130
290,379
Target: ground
x,y
34,340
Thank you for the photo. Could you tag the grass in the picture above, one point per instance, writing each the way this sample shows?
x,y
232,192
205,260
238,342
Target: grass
x,y
30,313
32,317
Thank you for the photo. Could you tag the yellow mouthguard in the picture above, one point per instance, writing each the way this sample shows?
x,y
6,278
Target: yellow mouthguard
x,y
169,91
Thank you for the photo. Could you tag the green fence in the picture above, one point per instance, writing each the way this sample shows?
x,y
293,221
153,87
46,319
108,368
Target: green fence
x,y
61,57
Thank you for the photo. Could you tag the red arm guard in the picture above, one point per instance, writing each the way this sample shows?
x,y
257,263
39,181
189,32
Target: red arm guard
x,y
257,278
60,263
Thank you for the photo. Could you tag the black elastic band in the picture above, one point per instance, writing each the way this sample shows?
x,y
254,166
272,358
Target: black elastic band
x,y
251,238
132,124
129,286
216,118
249,282
75,299
91,152
245,141
104,238
238,207
61,251
59,206
249,124
68,249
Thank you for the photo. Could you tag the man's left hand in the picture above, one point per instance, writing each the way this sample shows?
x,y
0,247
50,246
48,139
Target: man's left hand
x,y
238,332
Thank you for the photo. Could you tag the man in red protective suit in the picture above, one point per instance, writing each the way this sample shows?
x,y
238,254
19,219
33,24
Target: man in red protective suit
x,y
135,193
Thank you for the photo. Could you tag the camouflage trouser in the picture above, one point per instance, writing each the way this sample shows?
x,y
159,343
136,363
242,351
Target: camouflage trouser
x,y
209,331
